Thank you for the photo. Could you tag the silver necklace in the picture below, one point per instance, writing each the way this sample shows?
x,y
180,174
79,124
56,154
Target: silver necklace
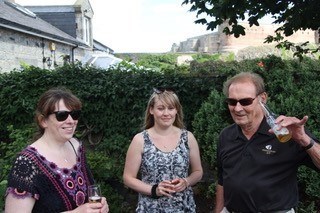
x,y
64,156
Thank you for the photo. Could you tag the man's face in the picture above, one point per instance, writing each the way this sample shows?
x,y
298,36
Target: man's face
x,y
249,114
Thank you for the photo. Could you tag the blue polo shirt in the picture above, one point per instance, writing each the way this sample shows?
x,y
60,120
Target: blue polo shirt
x,y
259,174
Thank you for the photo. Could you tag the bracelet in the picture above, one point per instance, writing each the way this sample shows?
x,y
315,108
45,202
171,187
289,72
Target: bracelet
x,y
154,191
187,183
310,145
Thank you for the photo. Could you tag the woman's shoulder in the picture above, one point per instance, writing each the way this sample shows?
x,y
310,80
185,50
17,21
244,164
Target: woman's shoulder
x,y
139,136
187,132
75,142
190,135
28,151
26,157
137,142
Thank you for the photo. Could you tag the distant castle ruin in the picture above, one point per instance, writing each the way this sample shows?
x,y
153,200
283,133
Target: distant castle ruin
x,y
218,42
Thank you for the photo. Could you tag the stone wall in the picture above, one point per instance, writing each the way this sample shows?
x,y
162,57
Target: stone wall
x,y
218,42
20,48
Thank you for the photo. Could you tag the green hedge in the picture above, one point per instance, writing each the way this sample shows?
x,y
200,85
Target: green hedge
x,y
114,101
113,108
293,89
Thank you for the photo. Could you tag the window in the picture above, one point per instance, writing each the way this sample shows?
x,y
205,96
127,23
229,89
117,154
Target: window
x,y
86,30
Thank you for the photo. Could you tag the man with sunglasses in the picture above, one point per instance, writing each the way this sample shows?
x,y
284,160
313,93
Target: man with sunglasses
x,y
257,173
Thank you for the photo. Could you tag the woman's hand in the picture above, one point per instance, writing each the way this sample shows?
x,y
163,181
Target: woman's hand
x,y
105,206
180,184
165,188
102,207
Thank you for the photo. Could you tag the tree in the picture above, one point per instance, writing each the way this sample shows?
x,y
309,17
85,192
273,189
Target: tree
x,y
293,15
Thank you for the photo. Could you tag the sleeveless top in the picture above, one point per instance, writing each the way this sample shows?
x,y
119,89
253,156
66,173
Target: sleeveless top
x,y
156,166
55,189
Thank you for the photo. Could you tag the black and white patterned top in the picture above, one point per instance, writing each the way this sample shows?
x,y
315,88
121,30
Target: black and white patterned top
x,y
157,166
55,189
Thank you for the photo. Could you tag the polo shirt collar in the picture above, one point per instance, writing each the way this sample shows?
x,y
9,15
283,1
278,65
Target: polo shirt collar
x,y
263,129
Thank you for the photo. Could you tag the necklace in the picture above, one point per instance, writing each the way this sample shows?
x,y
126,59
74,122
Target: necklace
x,y
65,159
170,146
162,138
162,144
64,156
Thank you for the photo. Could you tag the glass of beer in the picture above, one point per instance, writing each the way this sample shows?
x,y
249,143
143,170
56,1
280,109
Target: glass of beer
x,y
94,194
283,134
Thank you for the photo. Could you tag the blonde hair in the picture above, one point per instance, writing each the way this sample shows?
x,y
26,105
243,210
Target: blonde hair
x,y
169,98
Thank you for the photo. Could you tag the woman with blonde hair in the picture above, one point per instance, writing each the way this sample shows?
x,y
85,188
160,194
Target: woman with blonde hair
x,y
166,156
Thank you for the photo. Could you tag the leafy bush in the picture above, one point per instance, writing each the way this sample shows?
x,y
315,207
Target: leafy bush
x,y
291,92
206,57
114,101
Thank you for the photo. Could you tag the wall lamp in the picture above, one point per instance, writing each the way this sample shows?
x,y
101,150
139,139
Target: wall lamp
x,y
48,61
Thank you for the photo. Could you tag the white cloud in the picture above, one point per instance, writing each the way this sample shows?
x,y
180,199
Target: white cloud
x,y
138,25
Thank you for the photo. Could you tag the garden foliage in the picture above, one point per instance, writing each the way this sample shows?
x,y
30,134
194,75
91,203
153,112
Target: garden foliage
x,y
293,90
114,101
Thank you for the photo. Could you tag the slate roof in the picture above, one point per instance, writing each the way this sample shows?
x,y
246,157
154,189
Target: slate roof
x,y
62,17
19,19
101,47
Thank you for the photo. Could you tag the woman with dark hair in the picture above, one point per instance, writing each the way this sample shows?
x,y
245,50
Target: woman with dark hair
x,y
163,153
51,174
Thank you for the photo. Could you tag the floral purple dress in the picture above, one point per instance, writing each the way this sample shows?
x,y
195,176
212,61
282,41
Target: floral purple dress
x,y
157,166
55,189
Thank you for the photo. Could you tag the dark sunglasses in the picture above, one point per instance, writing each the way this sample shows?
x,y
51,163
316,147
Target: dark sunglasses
x,y
63,115
162,90
243,102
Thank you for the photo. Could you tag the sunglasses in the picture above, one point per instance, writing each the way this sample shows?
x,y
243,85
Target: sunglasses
x,y
63,115
162,90
243,102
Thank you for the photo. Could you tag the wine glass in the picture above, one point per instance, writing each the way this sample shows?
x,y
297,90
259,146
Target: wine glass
x,y
167,203
94,194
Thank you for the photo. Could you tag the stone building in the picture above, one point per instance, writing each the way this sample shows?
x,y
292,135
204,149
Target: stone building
x,y
45,36
218,42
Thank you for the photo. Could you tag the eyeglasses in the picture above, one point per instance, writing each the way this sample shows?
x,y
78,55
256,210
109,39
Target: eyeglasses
x,y
243,102
63,115
162,90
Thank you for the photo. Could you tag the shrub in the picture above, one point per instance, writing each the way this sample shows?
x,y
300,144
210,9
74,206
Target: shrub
x,y
291,92
114,101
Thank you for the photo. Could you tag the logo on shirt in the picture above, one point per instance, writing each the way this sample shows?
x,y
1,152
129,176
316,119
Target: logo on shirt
x,y
268,150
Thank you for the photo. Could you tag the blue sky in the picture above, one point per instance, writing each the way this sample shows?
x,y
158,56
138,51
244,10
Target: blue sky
x,y
148,26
